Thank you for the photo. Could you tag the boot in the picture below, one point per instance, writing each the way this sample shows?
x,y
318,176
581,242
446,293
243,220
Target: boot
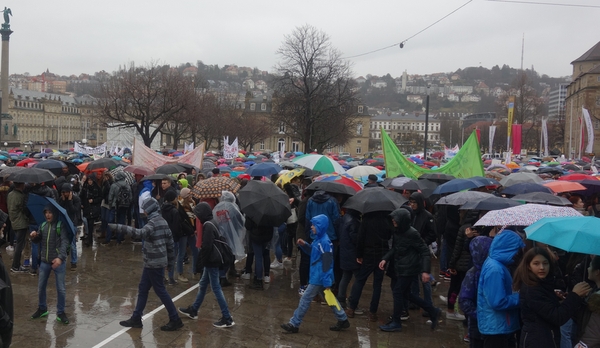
x,y
340,325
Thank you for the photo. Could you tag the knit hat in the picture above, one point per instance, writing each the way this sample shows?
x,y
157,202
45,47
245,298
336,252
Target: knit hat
x,y
170,196
185,192
66,187
183,182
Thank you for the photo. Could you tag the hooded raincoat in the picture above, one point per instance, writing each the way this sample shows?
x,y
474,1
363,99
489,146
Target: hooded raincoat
x,y
321,253
231,223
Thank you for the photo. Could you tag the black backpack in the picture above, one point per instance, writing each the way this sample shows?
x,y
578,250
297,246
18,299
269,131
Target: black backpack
x,y
124,197
222,249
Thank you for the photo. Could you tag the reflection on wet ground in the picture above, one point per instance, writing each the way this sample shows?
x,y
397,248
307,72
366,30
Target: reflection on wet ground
x,y
103,292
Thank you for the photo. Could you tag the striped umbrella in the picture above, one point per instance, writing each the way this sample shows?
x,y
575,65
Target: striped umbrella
x,y
319,163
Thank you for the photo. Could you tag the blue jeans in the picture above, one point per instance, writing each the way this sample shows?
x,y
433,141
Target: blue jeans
x,y
121,216
176,251
211,276
61,291
258,249
279,244
426,290
181,245
565,334
104,212
311,291
370,265
153,278
73,251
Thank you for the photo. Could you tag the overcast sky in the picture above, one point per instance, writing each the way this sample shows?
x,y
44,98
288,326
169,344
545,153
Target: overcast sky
x,y
78,36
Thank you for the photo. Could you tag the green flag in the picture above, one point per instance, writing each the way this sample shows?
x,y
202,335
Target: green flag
x,y
466,164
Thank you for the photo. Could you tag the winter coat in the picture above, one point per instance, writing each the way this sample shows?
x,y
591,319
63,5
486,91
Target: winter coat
x,y
321,253
588,321
348,239
113,194
170,213
543,315
17,210
467,299
159,249
93,192
322,203
258,234
374,234
208,257
423,220
497,305
301,228
52,244
73,208
410,253
460,259
452,226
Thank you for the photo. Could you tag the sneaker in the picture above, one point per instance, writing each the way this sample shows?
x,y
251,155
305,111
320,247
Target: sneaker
x,y
443,298
267,279
454,316
434,284
182,279
18,270
189,312
40,313
301,290
350,312
224,322
246,276
10,248
276,265
33,272
391,327
287,259
73,267
466,338
105,243
404,316
289,328
135,323
62,318
359,311
257,284
26,263
172,325
340,325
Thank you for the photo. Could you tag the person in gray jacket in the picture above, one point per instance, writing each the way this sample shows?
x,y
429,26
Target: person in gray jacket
x,y
159,252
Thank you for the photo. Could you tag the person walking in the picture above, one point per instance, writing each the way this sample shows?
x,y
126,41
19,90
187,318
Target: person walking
x,y
120,199
159,252
20,223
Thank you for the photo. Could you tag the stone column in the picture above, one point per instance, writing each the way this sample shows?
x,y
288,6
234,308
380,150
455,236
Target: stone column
x,y
5,32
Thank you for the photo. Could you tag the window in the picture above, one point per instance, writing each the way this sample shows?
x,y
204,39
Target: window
x,y
597,101
262,145
596,124
281,127
360,108
358,150
295,146
263,107
359,128
281,145
252,106
359,141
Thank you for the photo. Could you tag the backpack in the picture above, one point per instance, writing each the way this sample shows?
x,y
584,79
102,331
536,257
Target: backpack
x,y
124,197
222,249
70,236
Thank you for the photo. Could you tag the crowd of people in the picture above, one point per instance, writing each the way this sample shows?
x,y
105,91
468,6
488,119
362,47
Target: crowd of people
x,y
505,289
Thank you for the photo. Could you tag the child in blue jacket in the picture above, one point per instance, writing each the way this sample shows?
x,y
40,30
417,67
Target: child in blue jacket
x,y
321,275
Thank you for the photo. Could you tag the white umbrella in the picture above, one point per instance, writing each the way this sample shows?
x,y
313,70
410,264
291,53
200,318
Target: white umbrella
x,y
360,171
319,163
524,215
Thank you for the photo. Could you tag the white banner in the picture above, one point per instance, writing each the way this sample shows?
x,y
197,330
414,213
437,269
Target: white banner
x,y
545,135
590,131
492,134
145,156
188,148
450,153
89,150
230,151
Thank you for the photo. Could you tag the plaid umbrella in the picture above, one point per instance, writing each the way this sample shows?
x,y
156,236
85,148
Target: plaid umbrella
x,y
524,215
129,177
213,187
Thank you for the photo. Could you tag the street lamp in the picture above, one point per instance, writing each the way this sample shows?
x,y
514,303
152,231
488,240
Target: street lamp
x,y
164,146
426,124
5,145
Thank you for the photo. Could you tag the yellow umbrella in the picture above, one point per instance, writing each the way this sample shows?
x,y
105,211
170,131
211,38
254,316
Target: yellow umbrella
x,y
287,177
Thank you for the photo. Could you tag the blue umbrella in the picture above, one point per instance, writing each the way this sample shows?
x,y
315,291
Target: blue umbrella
x,y
264,169
525,187
36,204
298,153
455,185
574,234
417,160
481,181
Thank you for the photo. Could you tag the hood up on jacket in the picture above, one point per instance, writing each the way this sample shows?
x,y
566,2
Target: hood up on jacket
x,y
402,218
151,207
321,223
147,186
53,210
227,196
480,247
505,246
120,176
321,196
203,212
420,199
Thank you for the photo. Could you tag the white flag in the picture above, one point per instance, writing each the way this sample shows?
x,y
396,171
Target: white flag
x,y
492,133
590,131
545,135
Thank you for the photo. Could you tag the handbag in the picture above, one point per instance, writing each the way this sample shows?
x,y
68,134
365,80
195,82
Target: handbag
x,y
293,218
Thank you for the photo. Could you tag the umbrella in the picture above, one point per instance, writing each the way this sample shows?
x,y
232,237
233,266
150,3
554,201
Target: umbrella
x,y
287,177
129,177
360,171
138,170
481,181
524,215
5,171
156,177
287,164
542,198
54,166
264,203
375,199
26,161
170,169
107,163
490,203
72,167
592,186
520,177
264,169
36,205
564,186
435,177
208,165
320,163
188,168
577,177
340,179
460,198
494,175
331,187
525,187
427,186
401,183
574,234
213,187
455,185
32,176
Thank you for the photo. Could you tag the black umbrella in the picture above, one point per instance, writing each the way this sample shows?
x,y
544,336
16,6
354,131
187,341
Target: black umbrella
x,y
54,166
427,186
401,183
188,168
32,176
460,198
490,203
72,167
264,203
437,177
331,187
6,171
542,198
526,187
550,170
208,165
375,199
170,169
107,163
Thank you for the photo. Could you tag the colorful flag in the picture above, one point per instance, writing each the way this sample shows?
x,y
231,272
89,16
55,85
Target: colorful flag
x,y
467,162
516,144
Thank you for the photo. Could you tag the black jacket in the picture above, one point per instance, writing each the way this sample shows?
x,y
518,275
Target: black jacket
x,y
348,239
170,213
93,192
258,234
374,234
423,220
409,251
73,208
208,257
542,314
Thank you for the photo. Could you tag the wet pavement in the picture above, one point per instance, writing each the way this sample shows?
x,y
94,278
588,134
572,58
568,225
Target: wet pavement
x,y
103,289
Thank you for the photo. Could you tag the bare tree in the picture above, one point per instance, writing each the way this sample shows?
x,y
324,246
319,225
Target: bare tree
x,y
213,117
145,98
315,96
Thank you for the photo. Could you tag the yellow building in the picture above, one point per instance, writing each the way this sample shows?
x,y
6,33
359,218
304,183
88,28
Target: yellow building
x,y
583,92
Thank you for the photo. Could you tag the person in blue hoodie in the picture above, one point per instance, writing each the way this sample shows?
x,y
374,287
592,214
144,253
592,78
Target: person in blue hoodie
x,y
321,276
497,304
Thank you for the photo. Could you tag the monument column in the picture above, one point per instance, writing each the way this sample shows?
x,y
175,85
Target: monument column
x,y
5,32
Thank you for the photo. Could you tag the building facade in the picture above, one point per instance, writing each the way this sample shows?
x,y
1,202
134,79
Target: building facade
x,y
405,128
556,102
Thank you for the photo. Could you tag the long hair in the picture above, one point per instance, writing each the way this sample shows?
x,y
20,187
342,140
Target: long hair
x,y
523,274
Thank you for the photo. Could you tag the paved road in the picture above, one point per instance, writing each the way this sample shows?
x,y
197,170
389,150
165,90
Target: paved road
x,y
103,291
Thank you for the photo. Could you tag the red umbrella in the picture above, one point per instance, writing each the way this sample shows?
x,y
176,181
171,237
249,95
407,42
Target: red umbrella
x,y
577,176
438,154
431,164
340,179
25,162
564,186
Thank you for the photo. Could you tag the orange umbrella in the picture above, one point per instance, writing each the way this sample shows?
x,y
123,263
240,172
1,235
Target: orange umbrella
x,y
564,186
83,168
512,165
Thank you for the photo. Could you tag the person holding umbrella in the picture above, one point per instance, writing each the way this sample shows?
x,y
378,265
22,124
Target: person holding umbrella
x,y
72,204
91,198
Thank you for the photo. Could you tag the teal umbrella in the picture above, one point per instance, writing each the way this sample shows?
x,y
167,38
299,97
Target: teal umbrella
x,y
574,234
